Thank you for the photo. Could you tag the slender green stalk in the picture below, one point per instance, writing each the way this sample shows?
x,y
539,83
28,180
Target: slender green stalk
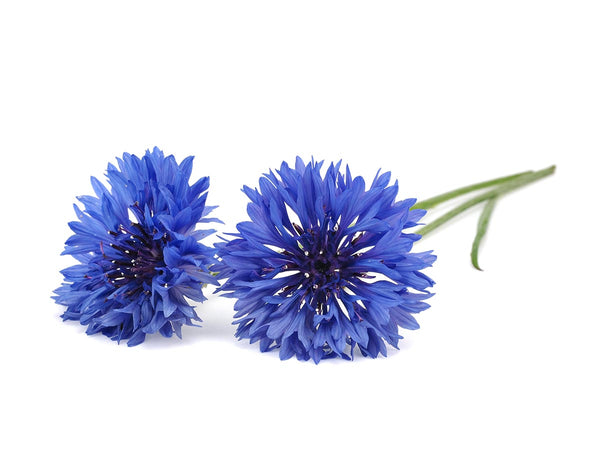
x,y
434,201
520,181
482,226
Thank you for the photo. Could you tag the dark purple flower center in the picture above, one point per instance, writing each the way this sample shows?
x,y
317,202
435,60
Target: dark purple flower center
x,y
325,260
321,265
322,268
321,261
139,257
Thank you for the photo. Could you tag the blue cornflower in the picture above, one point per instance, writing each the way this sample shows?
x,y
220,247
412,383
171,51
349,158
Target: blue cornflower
x,y
138,248
323,265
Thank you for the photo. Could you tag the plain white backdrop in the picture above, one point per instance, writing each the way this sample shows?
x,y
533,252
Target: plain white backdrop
x,y
442,94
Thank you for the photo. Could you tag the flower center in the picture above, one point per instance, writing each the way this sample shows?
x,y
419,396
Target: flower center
x,y
322,266
139,256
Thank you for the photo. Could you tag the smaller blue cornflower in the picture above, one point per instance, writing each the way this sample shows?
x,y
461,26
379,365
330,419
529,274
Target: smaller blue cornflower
x,y
324,265
139,251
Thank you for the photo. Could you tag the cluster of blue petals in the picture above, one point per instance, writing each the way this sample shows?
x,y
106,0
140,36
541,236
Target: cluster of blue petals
x,y
140,259
324,265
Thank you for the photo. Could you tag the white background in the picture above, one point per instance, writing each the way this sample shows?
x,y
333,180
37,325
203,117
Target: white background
x,y
443,94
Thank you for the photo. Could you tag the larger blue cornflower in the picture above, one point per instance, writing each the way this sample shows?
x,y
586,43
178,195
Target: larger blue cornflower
x,y
324,265
138,248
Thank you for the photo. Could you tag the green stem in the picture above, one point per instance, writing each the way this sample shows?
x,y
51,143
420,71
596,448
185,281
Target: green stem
x,y
434,201
517,182
482,226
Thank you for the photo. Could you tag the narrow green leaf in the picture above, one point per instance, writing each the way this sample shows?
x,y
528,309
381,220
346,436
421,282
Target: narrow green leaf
x,y
482,226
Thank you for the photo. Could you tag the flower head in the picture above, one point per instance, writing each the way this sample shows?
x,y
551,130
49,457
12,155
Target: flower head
x,y
323,265
138,250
